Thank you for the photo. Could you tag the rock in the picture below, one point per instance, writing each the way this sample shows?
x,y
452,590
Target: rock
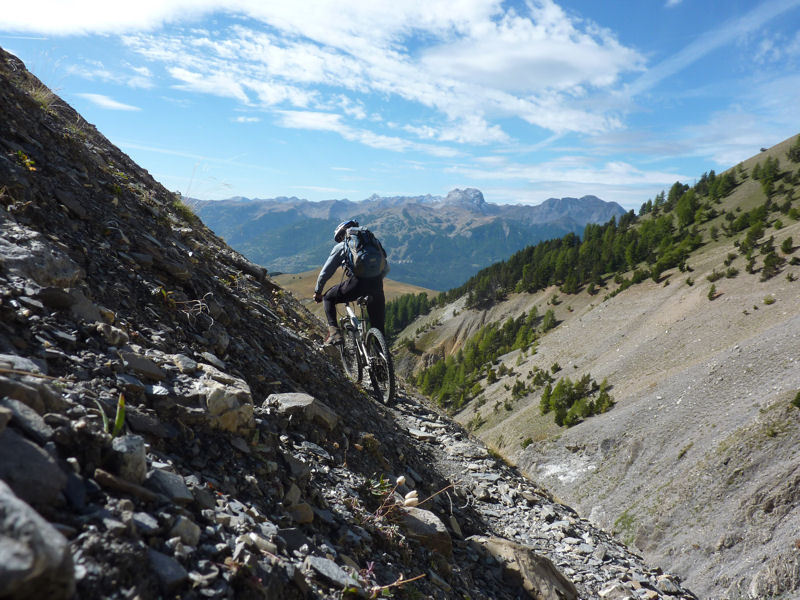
x,y
130,457
142,366
35,559
5,417
55,298
30,471
23,392
187,530
229,406
170,484
84,309
331,573
425,527
169,571
537,574
114,336
28,420
306,406
184,363
301,513
31,256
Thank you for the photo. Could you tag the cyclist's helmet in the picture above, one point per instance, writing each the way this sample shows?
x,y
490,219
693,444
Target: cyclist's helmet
x,y
338,235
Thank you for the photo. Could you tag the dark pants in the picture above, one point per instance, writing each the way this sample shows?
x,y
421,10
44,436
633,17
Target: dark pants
x,y
351,289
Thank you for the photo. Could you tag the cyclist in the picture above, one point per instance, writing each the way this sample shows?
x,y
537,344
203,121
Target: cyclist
x,y
350,289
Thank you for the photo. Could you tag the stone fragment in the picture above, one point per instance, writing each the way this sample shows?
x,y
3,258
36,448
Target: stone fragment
x,y
329,572
169,571
142,366
229,406
109,481
23,392
55,298
301,513
28,420
184,363
292,495
306,406
422,435
5,417
131,458
31,256
425,527
537,574
35,559
666,585
114,336
170,484
30,471
187,530
213,360
146,523
84,309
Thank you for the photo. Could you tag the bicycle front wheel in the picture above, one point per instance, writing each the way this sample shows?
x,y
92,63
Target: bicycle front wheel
x,y
381,369
351,359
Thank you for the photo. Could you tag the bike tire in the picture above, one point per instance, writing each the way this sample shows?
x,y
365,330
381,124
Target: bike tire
x,y
381,368
348,349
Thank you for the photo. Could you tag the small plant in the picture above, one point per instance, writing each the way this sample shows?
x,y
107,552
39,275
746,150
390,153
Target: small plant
x,y
25,161
555,368
528,441
712,292
684,450
689,281
42,95
731,272
714,276
796,401
769,300
791,277
119,418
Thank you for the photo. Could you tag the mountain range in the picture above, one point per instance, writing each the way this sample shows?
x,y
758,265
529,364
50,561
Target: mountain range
x,y
433,242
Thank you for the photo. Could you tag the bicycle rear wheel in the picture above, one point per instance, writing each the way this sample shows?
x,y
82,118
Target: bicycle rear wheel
x,y
381,368
351,360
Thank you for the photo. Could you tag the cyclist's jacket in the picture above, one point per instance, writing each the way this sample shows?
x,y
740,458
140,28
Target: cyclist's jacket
x,y
338,258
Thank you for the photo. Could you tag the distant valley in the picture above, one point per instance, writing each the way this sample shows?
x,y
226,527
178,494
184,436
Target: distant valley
x,y
433,242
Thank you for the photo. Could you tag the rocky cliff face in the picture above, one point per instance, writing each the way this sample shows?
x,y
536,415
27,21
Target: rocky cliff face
x,y
243,464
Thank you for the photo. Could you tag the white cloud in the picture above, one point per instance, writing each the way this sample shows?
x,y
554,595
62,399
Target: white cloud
x,y
247,119
672,3
105,102
132,76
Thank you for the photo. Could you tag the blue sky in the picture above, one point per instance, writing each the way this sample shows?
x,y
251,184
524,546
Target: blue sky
x,y
329,99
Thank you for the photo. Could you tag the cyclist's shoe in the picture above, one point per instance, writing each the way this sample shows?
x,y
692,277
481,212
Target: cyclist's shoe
x,y
334,337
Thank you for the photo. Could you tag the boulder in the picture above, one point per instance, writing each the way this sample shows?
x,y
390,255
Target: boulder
x,y
35,559
536,574
28,420
229,406
306,406
425,527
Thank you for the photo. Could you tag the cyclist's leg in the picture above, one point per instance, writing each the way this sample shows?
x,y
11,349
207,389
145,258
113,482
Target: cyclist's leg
x,y
376,308
347,291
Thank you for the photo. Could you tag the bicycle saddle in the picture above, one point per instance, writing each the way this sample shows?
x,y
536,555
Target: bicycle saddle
x,y
364,300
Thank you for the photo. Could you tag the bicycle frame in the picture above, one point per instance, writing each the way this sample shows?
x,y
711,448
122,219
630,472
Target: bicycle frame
x,y
358,325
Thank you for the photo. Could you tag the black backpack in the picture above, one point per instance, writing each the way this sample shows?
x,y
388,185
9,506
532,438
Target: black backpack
x,y
364,254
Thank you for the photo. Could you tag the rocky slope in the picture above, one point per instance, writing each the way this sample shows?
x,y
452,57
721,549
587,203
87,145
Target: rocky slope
x,y
432,242
697,464
170,427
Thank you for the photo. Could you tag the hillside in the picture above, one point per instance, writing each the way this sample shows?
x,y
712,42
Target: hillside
x,y
301,285
171,428
432,242
697,462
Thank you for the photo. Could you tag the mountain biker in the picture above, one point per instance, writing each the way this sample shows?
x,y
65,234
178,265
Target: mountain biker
x,y
350,289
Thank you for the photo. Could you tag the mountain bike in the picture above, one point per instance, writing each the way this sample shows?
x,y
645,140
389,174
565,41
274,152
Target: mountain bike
x,y
366,350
